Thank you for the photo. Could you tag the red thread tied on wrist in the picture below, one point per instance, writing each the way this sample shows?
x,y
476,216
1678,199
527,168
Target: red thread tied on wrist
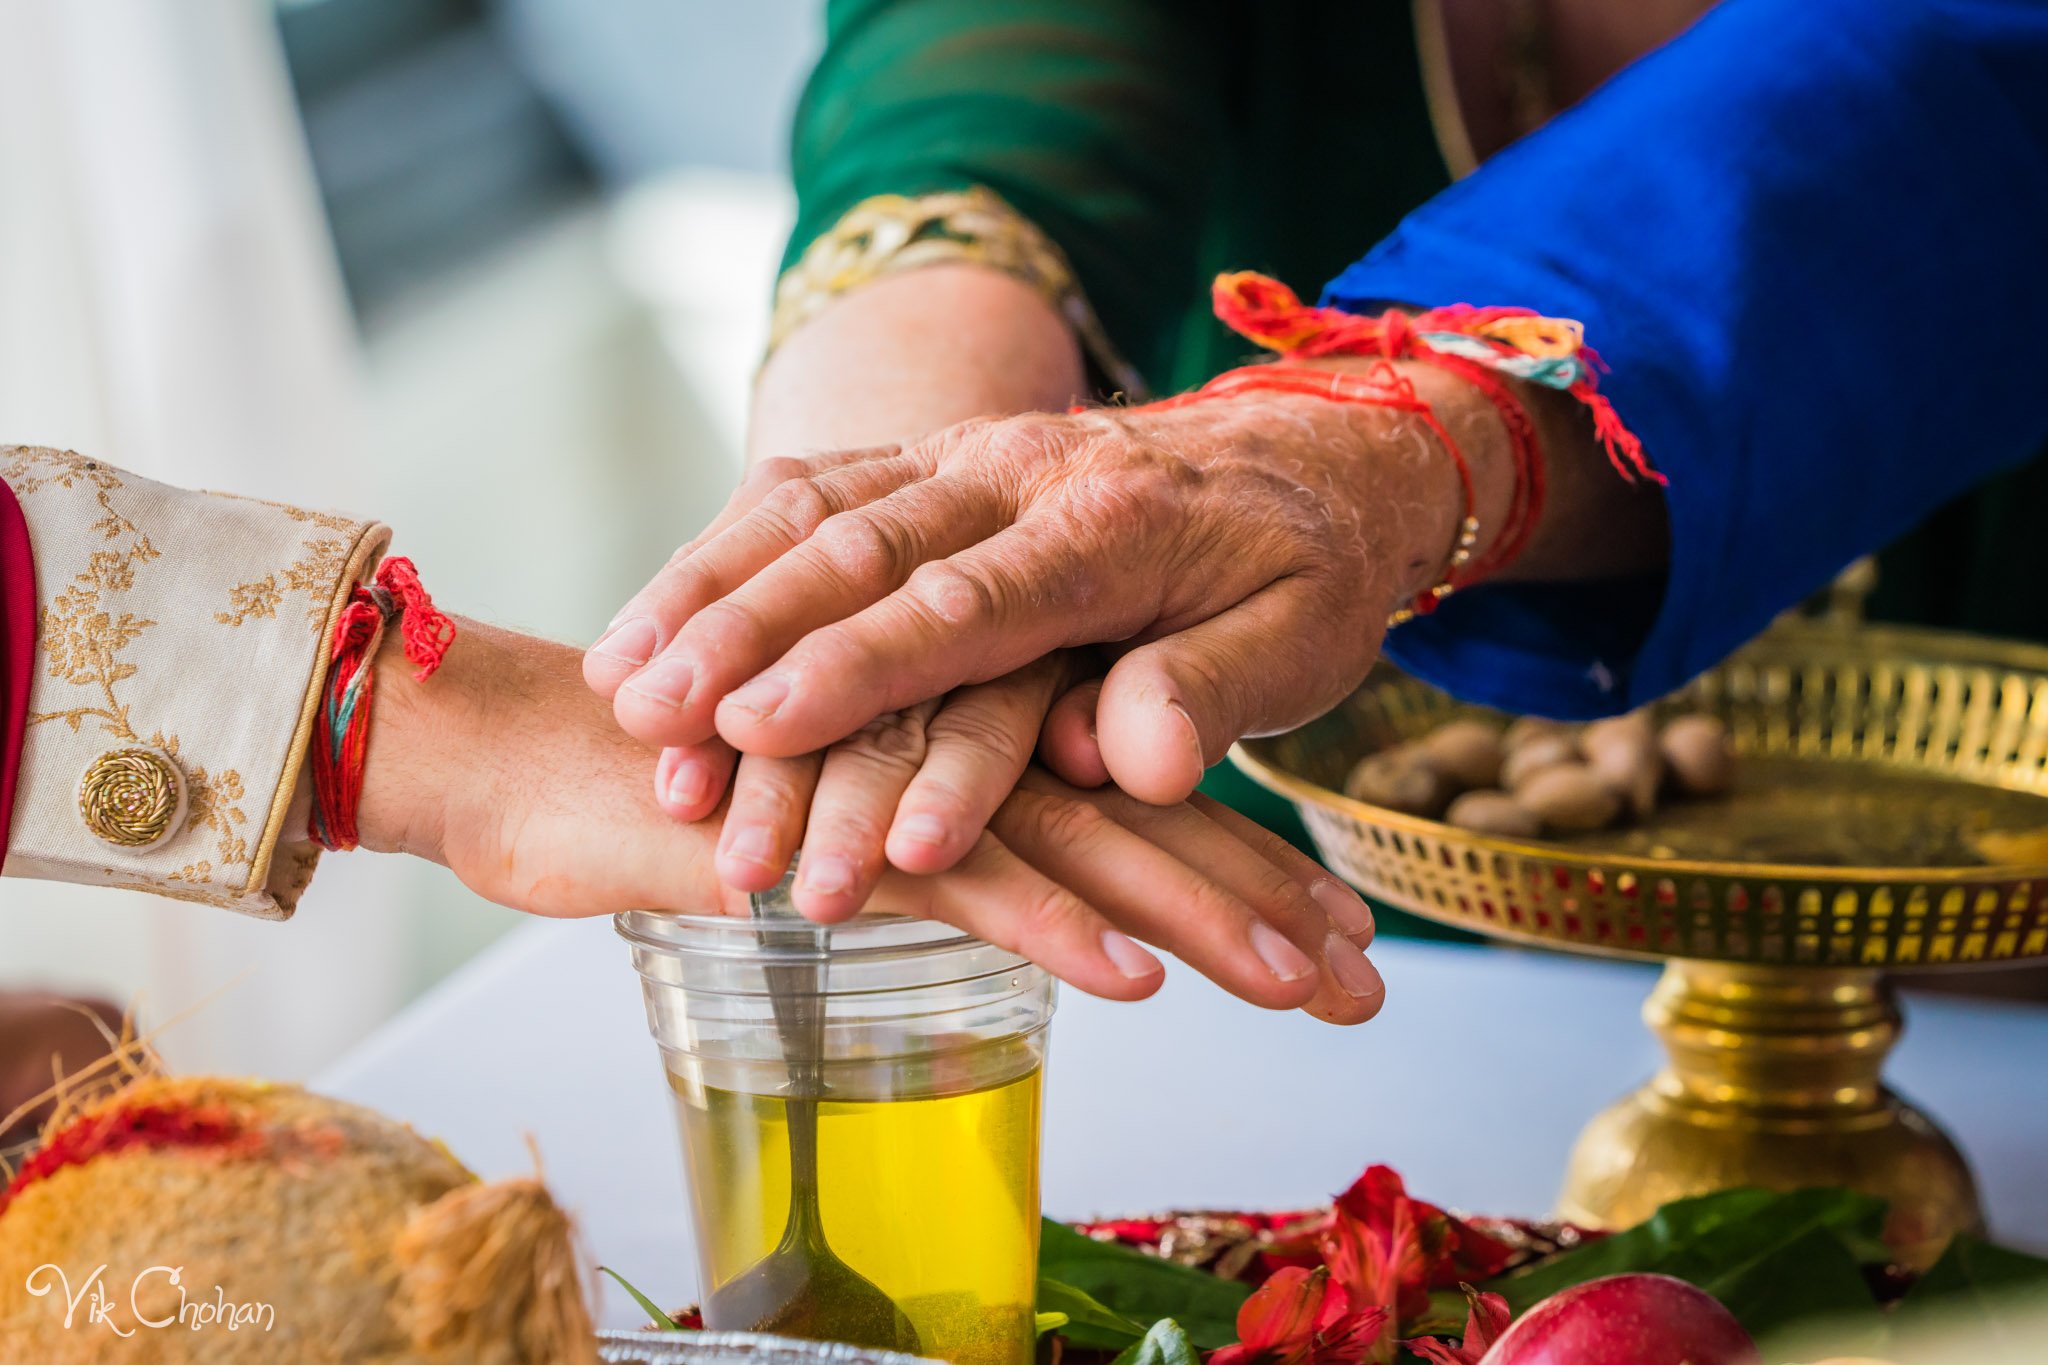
x,y
341,746
1515,342
1487,347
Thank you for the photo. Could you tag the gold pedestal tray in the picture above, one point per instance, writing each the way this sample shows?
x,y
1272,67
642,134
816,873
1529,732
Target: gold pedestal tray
x,y
1890,814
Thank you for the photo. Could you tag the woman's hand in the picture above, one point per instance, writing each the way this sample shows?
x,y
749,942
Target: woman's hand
x,y
1248,548
505,768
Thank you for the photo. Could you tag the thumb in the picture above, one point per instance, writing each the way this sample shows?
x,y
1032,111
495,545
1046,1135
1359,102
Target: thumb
x,y
1171,708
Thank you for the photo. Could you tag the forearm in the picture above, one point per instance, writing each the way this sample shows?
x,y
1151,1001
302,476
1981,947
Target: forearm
x,y
910,354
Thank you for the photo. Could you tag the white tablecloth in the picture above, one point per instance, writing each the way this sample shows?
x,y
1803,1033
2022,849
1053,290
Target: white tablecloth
x,y
1473,1083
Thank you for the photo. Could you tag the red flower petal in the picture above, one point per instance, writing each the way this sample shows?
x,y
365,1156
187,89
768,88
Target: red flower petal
x,y
1285,1310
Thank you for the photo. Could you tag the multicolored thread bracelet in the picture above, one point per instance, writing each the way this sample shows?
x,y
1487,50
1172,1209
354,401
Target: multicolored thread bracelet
x,y
1487,347
341,743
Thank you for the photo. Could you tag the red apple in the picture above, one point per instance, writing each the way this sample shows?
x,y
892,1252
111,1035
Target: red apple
x,y
1626,1320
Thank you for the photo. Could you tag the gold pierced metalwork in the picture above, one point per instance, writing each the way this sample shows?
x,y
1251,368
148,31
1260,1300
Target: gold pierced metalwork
x,y
131,798
890,233
1891,813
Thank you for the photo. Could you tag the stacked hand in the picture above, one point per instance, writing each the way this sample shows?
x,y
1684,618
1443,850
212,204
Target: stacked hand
x,y
862,654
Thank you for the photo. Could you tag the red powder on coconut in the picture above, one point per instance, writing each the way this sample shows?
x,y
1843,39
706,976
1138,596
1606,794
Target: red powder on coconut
x,y
152,1127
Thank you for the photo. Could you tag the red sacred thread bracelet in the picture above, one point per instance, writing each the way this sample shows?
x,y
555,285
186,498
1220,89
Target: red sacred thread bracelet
x,y
343,744
1484,346
1517,342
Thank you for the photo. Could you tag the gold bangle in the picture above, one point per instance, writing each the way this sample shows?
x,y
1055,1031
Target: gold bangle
x,y
1461,553
890,233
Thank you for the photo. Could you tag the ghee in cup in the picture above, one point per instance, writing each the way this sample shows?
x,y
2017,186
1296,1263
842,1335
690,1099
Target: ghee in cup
x,y
927,1086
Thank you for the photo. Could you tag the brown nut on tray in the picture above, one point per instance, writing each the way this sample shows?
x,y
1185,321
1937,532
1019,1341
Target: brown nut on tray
x,y
1701,755
1399,779
1467,751
1491,812
1569,797
1623,750
1534,755
1522,729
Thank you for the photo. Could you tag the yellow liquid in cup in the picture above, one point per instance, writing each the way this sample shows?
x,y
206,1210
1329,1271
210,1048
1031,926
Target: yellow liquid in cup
x,y
934,1199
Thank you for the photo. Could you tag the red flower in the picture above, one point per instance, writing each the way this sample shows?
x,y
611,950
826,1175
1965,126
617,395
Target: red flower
x,y
1485,1320
1301,1317
1388,1249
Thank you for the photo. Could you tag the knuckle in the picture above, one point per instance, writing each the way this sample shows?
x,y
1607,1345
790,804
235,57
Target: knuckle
x,y
897,737
799,505
727,627
775,470
1005,735
766,793
861,547
1047,912
1068,823
685,580
1284,903
851,831
952,595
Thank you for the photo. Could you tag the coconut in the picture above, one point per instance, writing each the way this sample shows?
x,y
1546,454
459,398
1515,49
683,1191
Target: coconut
x,y
342,1234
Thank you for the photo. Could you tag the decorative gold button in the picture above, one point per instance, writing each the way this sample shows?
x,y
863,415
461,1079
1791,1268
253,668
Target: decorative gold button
x,y
132,798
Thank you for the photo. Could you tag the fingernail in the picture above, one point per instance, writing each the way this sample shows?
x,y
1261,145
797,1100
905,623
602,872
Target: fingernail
x,y
1283,958
630,642
1130,959
828,874
665,680
923,829
754,844
761,696
1346,909
1353,970
689,783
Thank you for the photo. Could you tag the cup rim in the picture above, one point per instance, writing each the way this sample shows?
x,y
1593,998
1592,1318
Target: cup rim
x,y
900,937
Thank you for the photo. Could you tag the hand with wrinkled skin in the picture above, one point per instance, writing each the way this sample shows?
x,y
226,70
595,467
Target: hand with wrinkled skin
x,y
1244,551
975,745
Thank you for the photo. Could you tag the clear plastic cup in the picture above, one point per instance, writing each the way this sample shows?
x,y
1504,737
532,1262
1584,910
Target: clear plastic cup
x,y
930,1052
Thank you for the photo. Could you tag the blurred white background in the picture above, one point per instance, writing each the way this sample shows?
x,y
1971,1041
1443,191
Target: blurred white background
x,y
494,271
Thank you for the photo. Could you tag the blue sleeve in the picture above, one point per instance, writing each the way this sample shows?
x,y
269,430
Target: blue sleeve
x,y
1810,240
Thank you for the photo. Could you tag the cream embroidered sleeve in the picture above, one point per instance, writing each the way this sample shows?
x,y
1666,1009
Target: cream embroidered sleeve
x,y
181,643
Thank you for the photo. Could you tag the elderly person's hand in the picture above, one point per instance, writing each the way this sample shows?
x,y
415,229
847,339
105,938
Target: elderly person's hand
x,y
504,767
1241,555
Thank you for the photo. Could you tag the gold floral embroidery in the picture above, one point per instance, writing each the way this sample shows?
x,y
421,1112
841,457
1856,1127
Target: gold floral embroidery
x,y
313,573
83,634
214,807
70,467
80,632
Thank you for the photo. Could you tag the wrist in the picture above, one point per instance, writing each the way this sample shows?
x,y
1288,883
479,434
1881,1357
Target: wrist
x,y
420,765
1385,469
913,353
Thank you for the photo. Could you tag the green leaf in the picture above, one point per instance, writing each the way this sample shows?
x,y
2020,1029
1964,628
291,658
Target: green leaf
x,y
1164,1344
1764,1251
1084,1321
1041,1323
1972,1276
1815,1275
654,1315
1141,1287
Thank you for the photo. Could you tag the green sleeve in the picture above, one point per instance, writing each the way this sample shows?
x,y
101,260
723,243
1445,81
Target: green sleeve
x,y
1096,119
